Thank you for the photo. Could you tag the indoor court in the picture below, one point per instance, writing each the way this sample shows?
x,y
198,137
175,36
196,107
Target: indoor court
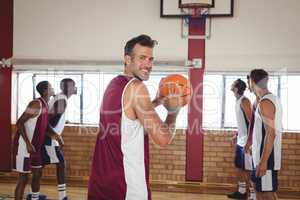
x,y
149,99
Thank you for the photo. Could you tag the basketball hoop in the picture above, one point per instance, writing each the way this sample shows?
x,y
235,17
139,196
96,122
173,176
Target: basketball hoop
x,y
195,9
198,14
195,12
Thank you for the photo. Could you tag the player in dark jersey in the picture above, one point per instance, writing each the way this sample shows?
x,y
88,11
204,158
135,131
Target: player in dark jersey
x,y
120,167
29,139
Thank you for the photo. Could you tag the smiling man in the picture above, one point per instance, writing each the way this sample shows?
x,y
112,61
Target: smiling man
x,y
120,166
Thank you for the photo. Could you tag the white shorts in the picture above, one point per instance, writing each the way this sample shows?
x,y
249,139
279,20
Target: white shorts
x,y
24,163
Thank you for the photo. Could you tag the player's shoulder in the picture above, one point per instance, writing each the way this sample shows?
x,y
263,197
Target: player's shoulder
x,y
266,104
36,103
138,86
246,100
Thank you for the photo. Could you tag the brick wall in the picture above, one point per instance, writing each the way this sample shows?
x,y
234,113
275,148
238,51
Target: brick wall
x,y
169,163
218,157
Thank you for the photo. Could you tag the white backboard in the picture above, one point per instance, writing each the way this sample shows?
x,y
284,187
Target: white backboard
x,y
221,8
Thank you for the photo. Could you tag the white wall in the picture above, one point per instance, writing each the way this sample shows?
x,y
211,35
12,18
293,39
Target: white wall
x,y
263,33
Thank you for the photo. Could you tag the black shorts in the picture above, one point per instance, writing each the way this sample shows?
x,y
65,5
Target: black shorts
x,y
242,159
52,155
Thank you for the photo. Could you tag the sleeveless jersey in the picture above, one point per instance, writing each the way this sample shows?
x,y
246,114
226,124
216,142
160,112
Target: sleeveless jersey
x,y
120,167
259,135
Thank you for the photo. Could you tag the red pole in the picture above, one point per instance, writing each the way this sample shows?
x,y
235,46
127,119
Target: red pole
x,y
194,137
6,52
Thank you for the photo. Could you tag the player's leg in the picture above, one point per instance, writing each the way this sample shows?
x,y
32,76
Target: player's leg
x,y
247,175
21,184
251,186
269,196
22,165
61,183
35,183
241,192
60,173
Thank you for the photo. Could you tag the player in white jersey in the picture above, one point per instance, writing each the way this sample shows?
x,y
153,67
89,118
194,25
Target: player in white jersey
x,y
243,160
28,141
52,152
267,134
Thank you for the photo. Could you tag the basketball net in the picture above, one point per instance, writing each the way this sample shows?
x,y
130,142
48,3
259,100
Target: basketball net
x,y
195,16
198,14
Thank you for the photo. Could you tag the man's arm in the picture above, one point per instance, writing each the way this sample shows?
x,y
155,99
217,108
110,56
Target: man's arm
x,y
32,110
267,109
161,132
246,107
250,128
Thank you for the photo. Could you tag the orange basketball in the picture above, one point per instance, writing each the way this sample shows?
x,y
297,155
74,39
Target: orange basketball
x,y
175,84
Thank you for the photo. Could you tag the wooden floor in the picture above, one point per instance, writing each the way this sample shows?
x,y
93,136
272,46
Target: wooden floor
x,y
79,193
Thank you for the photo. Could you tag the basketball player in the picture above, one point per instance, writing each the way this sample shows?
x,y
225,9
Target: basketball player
x,y
52,151
29,139
120,167
267,134
243,160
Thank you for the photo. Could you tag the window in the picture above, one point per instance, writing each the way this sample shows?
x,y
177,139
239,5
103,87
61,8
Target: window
x,y
24,91
289,99
212,102
218,99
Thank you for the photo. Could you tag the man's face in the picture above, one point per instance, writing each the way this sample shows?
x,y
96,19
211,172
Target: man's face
x,y
50,91
234,90
139,63
248,83
72,89
252,86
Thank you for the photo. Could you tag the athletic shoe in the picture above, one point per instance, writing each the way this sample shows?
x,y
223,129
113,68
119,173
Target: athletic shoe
x,y
237,195
41,197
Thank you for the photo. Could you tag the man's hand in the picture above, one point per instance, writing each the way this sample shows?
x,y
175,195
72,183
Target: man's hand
x,y
60,140
248,148
158,101
261,169
234,140
173,103
30,148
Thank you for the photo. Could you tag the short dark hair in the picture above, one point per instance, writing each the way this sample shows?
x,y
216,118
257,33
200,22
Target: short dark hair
x,y
260,77
64,84
143,40
240,85
42,86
